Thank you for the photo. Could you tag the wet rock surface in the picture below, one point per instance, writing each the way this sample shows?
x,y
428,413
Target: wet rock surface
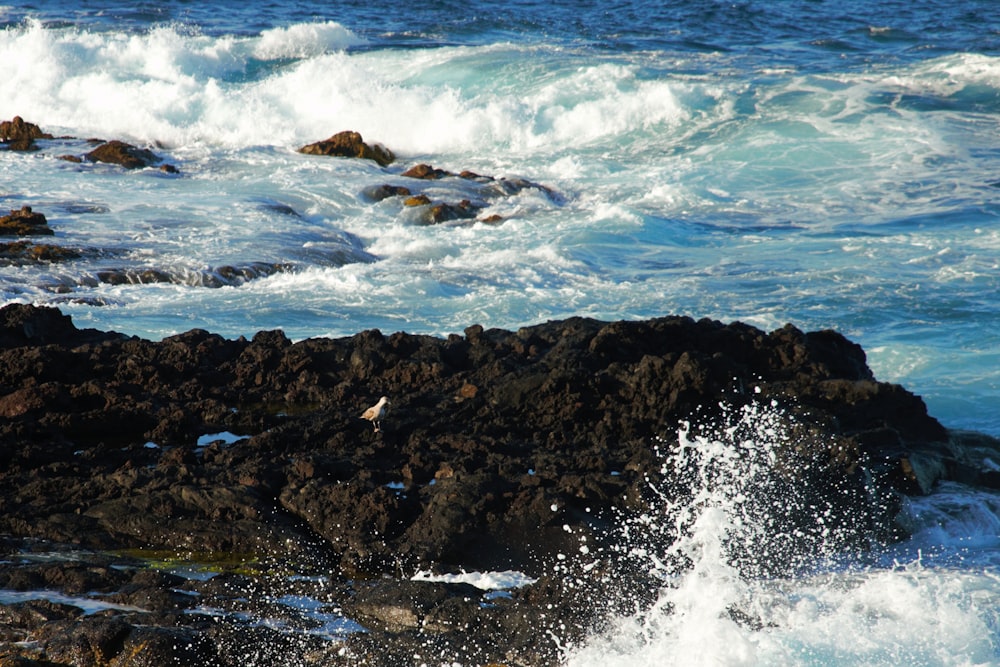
x,y
19,135
123,154
24,222
350,144
481,192
500,450
26,252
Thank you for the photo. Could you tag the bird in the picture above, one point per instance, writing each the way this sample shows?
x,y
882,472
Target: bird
x,y
375,412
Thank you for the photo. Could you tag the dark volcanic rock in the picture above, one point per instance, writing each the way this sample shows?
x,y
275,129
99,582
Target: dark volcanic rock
x,y
350,144
569,400
500,450
121,153
24,222
22,325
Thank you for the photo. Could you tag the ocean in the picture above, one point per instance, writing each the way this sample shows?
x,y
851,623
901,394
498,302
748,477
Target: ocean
x,y
829,164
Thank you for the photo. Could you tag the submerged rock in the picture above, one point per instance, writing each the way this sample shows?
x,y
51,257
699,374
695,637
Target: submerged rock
x,y
483,191
220,276
429,213
417,200
380,192
350,144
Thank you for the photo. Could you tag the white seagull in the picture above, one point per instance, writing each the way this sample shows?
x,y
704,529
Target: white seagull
x,y
375,412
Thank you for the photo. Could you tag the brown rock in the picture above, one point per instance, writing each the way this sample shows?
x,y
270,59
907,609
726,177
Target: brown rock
x,y
446,212
121,153
25,251
20,135
350,144
473,176
417,200
19,129
24,223
426,172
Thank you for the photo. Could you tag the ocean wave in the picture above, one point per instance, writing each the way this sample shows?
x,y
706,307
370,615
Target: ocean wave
x,y
291,85
304,40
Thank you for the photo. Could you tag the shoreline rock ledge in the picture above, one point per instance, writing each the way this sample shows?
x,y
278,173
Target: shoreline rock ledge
x,y
500,451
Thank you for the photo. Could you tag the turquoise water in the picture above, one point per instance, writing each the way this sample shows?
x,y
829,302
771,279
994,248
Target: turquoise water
x,y
833,165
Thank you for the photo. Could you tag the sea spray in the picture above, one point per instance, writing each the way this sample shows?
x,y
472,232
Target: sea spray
x,y
748,566
756,490
728,506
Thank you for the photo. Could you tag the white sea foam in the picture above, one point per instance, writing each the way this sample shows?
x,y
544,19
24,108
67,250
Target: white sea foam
x,y
172,86
89,605
305,40
878,619
487,581
715,613
225,437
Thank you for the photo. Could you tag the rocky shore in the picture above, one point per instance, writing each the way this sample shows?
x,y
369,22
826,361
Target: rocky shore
x,y
197,500
418,202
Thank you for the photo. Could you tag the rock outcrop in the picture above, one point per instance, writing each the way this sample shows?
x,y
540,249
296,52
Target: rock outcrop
x,y
24,222
123,154
350,144
500,450
20,135
25,252
571,401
